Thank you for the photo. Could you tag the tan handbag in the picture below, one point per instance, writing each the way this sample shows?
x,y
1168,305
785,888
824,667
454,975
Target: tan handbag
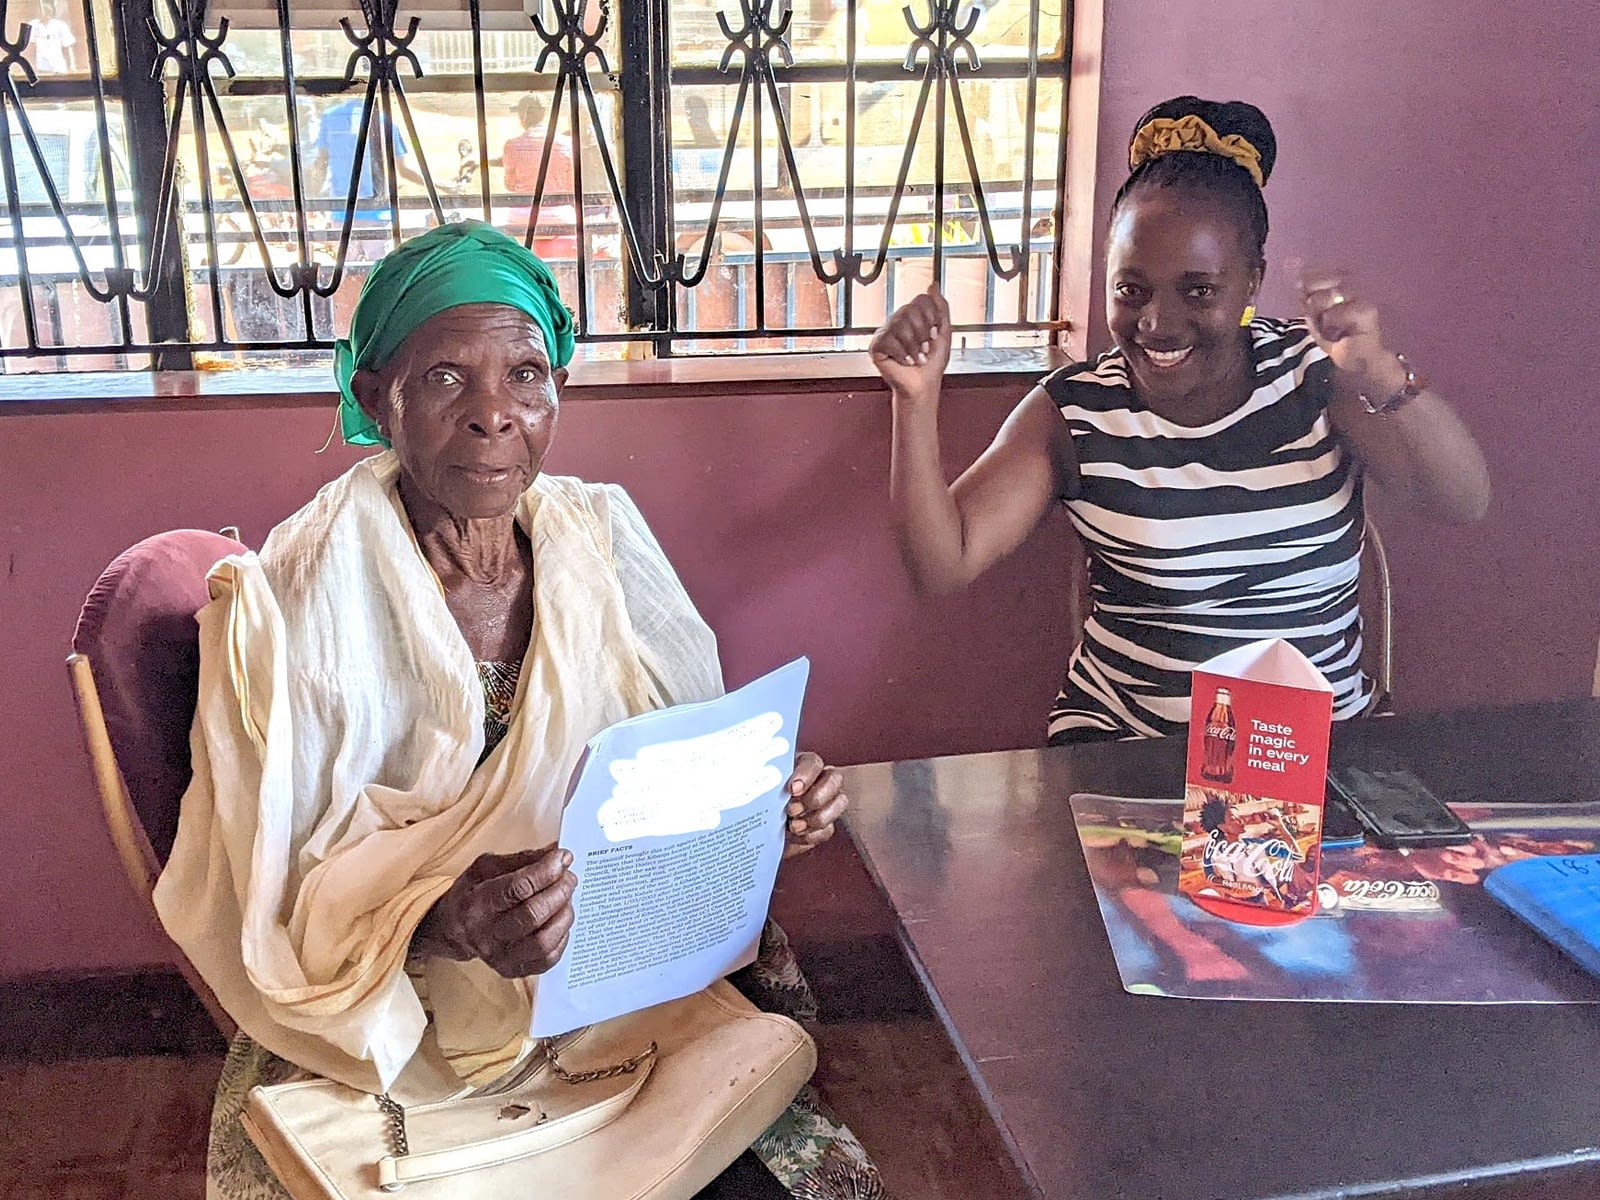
x,y
650,1106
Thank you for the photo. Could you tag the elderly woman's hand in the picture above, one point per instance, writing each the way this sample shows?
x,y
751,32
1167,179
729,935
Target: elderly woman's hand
x,y
514,911
818,801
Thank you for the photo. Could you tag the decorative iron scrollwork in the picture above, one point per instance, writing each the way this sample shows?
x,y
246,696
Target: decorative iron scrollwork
x,y
939,40
248,202
757,41
572,46
12,64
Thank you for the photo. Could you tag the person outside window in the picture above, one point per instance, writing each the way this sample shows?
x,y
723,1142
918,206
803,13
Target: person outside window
x,y
523,153
52,40
521,158
333,162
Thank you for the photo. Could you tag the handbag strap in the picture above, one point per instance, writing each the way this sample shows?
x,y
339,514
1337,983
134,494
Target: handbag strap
x,y
401,1167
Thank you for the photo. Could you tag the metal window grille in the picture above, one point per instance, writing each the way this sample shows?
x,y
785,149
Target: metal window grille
x,y
190,178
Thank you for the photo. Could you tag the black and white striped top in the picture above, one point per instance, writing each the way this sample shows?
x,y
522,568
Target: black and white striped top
x,y
1201,539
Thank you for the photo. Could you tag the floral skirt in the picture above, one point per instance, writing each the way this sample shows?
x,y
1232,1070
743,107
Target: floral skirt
x,y
807,1149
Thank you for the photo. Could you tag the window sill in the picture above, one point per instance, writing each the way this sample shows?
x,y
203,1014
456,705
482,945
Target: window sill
x,y
312,387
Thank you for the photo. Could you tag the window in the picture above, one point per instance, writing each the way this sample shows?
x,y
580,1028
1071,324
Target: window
x,y
190,178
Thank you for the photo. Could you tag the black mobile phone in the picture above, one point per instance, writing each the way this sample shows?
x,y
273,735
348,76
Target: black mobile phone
x,y
1396,808
1339,824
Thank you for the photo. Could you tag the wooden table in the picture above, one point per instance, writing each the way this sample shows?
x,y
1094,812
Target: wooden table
x,y
1102,1094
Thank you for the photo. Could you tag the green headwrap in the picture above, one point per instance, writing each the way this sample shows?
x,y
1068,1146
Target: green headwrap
x,y
464,263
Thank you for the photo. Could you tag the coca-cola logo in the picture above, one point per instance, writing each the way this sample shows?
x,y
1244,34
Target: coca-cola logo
x,y
1220,731
1391,889
1250,859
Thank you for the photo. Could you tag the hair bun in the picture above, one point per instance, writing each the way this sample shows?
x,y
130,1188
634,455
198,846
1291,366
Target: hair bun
x,y
1228,118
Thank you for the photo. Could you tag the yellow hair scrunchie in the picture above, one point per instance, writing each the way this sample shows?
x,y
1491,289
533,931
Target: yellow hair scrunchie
x,y
1164,135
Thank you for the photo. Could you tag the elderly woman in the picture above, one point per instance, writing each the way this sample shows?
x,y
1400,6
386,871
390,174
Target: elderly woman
x,y
393,694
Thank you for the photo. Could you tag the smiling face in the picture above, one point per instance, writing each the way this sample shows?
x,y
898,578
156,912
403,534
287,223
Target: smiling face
x,y
469,404
1178,277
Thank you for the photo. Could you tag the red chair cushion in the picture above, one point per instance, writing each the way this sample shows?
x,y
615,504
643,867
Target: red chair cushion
x,y
138,631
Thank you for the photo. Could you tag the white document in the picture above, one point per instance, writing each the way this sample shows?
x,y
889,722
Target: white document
x,y
675,820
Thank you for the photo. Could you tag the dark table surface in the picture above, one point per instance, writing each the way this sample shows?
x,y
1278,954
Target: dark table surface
x,y
1103,1094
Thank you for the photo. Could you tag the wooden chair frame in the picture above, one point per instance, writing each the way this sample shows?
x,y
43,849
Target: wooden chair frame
x,y
1377,619
138,857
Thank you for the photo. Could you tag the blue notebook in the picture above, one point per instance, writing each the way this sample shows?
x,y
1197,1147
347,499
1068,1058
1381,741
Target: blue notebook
x,y
1559,896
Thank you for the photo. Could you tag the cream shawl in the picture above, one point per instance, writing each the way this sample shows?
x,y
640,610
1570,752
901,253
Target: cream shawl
x,y
336,792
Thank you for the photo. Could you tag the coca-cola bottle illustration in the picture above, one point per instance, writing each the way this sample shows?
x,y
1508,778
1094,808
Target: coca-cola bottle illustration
x,y
1216,759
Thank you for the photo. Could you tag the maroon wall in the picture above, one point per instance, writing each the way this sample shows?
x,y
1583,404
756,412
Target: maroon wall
x,y
771,506
1445,153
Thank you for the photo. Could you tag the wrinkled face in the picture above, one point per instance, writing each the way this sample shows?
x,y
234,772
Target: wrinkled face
x,y
1178,278
469,404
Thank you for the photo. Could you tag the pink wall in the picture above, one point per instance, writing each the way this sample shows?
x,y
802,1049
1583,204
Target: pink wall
x,y
771,506
1446,154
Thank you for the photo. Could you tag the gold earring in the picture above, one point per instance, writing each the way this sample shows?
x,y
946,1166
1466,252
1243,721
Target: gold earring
x,y
1249,315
